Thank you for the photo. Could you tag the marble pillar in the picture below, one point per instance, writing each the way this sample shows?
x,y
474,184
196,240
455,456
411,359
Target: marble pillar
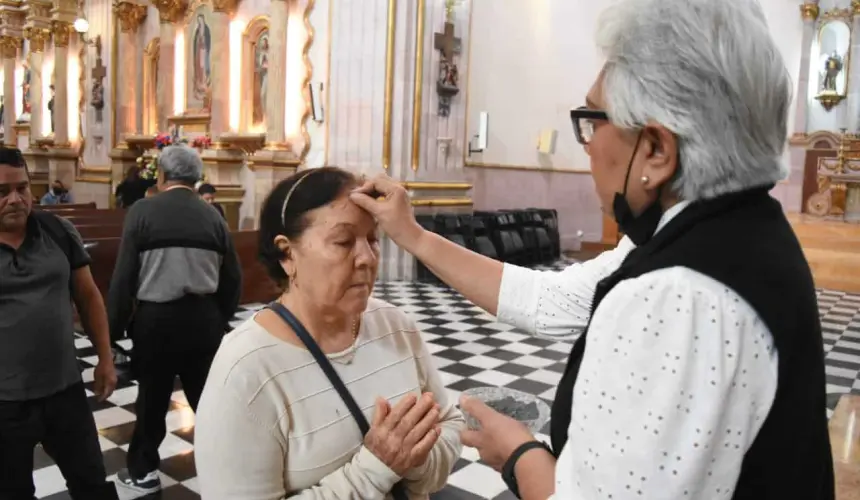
x,y
792,191
37,37
809,12
62,32
166,64
276,96
170,12
130,15
219,112
9,51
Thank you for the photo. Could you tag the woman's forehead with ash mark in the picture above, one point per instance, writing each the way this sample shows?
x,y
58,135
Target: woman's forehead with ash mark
x,y
342,213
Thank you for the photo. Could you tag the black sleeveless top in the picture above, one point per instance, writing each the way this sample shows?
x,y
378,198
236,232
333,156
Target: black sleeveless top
x,y
744,241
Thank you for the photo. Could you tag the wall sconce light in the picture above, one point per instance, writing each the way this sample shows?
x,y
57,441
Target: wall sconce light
x,y
82,26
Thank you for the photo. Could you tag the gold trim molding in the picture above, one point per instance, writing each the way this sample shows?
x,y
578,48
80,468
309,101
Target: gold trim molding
x,y
389,83
309,73
418,92
437,186
170,11
130,14
443,202
809,11
526,168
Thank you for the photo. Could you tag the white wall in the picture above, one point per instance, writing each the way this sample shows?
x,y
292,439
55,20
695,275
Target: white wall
x,y
532,61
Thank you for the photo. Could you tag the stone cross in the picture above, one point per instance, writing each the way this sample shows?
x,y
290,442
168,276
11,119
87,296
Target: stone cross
x,y
446,42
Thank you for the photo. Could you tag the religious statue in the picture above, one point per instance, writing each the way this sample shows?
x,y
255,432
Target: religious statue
x,y
201,50
448,74
25,91
51,107
832,67
98,99
448,79
261,79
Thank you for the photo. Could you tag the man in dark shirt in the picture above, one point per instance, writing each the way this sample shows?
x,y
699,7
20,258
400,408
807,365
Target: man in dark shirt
x,y
43,267
207,193
177,263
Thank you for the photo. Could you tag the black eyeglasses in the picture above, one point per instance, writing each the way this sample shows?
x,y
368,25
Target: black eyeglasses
x,y
583,123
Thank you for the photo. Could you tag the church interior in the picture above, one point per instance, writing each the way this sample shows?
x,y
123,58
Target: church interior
x,y
465,102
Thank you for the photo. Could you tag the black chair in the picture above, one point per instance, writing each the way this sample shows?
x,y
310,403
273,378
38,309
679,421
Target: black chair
x,y
508,242
482,242
549,218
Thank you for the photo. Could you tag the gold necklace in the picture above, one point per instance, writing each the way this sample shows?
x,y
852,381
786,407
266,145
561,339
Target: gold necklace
x,y
355,329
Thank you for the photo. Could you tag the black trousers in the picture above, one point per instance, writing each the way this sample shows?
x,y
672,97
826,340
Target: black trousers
x,y
171,339
64,425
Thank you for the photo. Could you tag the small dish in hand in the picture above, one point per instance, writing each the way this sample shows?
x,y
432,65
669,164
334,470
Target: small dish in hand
x,y
520,406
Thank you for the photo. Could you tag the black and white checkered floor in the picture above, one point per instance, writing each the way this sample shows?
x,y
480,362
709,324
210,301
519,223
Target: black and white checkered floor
x,y
471,349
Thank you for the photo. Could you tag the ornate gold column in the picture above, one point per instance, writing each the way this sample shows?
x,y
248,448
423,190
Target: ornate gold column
x,y
37,35
9,49
169,12
10,41
276,95
219,113
130,15
61,32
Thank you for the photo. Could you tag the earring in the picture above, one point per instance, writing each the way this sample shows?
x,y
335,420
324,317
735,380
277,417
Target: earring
x,y
645,179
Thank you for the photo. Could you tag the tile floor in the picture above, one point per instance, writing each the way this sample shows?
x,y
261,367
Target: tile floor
x,y
471,349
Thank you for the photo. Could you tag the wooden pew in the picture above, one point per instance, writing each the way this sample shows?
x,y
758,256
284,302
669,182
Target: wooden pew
x,y
52,208
97,231
257,287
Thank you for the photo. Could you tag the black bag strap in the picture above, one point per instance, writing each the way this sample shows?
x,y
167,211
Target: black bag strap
x,y
398,491
55,230
53,227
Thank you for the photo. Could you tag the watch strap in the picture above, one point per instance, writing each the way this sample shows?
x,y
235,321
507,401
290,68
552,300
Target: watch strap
x,y
508,469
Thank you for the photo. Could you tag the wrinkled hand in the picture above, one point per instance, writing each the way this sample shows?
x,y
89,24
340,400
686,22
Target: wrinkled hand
x,y
497,435
104,377
389,203
402,437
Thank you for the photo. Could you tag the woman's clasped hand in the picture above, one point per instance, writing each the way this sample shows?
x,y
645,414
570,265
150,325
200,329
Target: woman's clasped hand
x,y
402,437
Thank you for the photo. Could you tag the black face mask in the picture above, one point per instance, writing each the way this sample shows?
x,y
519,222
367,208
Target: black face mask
x,y
59,191
640,228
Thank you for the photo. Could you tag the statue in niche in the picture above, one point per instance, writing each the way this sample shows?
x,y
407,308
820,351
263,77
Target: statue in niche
x,y
832,67
201,50
51,107
25,92
261,78
98,99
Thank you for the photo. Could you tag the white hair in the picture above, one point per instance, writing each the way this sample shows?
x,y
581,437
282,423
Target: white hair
x,y
181,163
709,71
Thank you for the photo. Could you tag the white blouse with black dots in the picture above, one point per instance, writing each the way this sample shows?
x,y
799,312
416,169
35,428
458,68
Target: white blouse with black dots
x,y
678,376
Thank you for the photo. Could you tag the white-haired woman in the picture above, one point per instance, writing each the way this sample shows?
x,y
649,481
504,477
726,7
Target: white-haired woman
x,y
702,374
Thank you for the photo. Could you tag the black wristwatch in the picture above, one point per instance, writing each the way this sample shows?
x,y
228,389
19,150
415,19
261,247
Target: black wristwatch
x,y
508,474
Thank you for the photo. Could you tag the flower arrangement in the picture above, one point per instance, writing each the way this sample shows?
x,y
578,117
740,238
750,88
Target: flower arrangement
x,y
150,170
201,142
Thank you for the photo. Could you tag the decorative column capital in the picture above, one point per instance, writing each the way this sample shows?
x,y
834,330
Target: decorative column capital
x,y
131,15
809,11
37,37
62,32
9,46
225,6
855,7
170,11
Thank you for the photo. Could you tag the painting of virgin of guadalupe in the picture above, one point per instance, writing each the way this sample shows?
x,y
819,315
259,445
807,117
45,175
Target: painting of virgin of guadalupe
x,y
201,70
261,78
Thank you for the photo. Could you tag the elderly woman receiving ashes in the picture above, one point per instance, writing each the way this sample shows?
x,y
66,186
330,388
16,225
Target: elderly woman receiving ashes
x,y
272,422
700,373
